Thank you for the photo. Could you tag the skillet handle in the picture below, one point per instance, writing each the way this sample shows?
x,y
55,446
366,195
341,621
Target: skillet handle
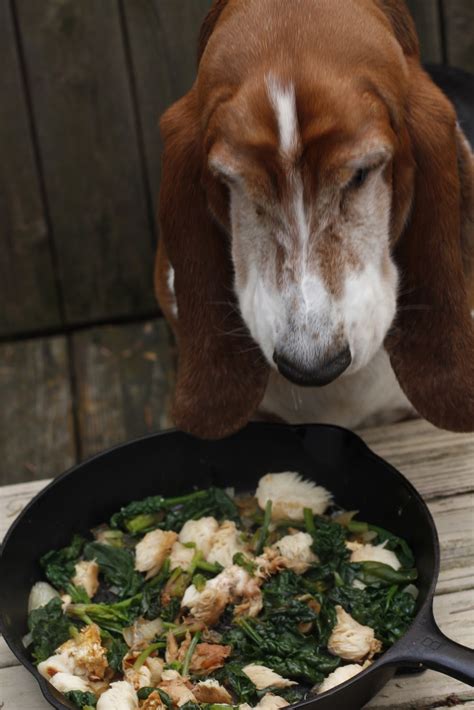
x,y
426,645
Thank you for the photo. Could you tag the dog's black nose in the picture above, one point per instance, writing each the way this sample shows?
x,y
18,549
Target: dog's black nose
x,y
318,374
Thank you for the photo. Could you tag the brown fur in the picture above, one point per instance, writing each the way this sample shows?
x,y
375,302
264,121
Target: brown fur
x,y
222,376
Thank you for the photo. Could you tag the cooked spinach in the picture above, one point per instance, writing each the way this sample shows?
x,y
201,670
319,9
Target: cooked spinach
x,y
290,633
58,565
116,650
388,610
172,513
81,699
49,629
117,565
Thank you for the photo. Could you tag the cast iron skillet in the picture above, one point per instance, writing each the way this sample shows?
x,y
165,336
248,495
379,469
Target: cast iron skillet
x,y
172,462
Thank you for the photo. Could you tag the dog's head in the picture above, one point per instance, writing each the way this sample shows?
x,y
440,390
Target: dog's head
x,y
306,182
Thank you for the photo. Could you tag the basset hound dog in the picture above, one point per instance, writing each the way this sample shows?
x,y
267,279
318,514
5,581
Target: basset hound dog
x,y
316,210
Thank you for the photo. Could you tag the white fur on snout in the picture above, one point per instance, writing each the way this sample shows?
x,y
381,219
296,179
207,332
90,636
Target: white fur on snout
x,y
368,306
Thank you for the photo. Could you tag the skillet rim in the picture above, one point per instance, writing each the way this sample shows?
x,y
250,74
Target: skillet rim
x,y
389,658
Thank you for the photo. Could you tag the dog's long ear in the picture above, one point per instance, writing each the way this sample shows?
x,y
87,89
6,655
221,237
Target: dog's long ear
x,y
221,373
432,343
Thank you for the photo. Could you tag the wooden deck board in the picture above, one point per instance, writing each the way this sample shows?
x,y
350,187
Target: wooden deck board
x,y
124,377
28,295
85,120
36,429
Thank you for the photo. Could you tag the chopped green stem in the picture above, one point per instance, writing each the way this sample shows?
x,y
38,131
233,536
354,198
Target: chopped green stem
x,y
144,654
140,523
309,521
264,529
214,568
250,631
190,653
74,633
357,526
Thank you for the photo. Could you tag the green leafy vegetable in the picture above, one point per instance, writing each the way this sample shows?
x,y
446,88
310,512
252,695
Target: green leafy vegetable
x,y
112,617
244,562
59,565
172,513
116,650
81,699
117,565
78,594
232,676
378,574
49,629
388,610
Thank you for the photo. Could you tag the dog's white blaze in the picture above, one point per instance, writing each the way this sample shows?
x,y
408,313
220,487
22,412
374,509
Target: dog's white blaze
x,y
284,103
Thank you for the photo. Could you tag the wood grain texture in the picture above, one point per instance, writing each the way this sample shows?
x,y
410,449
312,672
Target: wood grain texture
x,y
28,295
163,40
459,18
36,431
85,120
124,377
440,463
428,24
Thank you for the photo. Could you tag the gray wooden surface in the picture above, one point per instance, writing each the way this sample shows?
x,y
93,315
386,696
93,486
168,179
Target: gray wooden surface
x,y
28,295
36,426
97,77
63,399
124,377
85,120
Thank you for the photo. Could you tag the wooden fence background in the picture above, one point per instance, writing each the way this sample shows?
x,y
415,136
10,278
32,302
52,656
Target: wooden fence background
x,y
82,83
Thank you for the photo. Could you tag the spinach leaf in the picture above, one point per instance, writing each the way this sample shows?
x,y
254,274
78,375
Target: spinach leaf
x,y
81,699
59,565
116,650
388,610
329,540
151,599
117,565
144,693
172,513
49,629
233,677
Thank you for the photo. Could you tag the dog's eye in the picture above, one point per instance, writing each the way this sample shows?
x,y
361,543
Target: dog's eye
x,y
359,178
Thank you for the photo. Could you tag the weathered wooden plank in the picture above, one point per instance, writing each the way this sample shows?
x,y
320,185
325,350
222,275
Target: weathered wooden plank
x,y
439,463
163,40
459,18
13,499
124,376
427,18
93,174
28,294
36,431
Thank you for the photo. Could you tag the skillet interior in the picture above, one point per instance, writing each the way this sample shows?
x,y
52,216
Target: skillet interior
x,y
172,463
